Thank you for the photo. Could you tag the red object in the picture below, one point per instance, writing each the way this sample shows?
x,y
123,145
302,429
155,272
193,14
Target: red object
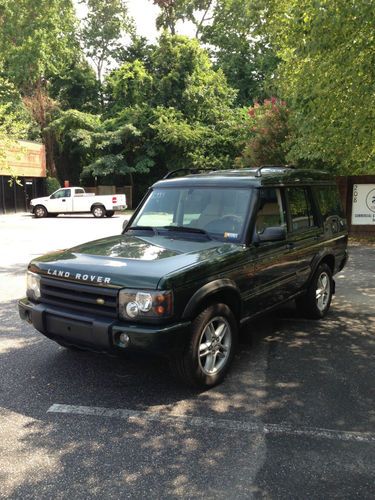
x,y
66,184
114,199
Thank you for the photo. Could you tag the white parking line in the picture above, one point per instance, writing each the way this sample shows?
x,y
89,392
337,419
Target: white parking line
x,y
216,423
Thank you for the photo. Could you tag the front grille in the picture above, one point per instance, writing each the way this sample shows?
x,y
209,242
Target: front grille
x,y
79,297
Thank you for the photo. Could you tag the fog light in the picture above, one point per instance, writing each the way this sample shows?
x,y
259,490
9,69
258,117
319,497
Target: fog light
x,y
123,340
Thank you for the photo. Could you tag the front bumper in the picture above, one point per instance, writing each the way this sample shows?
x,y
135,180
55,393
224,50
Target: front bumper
x,y
101,334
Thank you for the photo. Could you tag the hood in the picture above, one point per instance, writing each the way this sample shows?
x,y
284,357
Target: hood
x,y
130,261
37,201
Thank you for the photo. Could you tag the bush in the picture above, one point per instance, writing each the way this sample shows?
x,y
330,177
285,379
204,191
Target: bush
x,y
52,185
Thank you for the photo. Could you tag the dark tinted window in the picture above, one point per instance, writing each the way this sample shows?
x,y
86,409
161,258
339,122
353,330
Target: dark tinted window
x,y
328,199
300,208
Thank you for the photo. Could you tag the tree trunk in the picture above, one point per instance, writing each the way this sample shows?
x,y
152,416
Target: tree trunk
x,y
39,105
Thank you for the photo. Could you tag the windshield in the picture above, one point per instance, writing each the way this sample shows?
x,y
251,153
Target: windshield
x,y
220,212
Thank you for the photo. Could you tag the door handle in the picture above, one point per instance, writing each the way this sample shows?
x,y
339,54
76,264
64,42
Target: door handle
x,y
63,201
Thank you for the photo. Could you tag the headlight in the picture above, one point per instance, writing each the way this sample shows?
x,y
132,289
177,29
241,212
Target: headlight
x,y
33,286
135,304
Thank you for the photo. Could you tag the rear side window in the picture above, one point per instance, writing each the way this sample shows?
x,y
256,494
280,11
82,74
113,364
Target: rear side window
x,y
300,207
328,200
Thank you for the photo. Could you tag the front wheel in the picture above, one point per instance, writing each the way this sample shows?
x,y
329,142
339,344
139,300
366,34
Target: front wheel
x,y
211,347
98,211
40,211
316,302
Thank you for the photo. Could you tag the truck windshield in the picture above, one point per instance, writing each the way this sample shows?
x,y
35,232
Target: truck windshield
x,y
219,212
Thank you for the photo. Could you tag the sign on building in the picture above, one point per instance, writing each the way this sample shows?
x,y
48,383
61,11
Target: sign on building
x,y
23,159
363,204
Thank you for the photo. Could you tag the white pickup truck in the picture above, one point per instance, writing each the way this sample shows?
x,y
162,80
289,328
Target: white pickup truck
x,y
75,200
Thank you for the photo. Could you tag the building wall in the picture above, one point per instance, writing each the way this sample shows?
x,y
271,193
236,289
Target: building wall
x,y
22,174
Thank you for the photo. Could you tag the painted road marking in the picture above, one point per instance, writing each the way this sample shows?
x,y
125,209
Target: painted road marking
x,y
216,423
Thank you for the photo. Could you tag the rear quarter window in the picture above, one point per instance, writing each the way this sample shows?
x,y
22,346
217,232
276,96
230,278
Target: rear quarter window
x,y
328,200
300,208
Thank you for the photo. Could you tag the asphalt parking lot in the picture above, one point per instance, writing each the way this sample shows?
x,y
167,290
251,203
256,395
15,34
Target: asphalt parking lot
x,y
295,418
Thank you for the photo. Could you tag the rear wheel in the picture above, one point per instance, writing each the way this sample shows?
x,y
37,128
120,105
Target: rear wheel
x,y
317,300
211,347
98,211
40,211
110,213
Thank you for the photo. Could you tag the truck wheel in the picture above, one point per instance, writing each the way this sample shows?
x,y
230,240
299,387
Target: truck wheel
x,y
110,213
98,211
317,300
53,215
211,347
40,211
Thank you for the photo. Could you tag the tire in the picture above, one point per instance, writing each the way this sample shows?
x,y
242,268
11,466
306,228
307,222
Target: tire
x,y
53,215
316,302
110,213
98,211
40,211
194,367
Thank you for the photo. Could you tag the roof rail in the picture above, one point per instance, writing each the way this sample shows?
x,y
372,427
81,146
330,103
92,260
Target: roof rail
x,y
258,172
186,169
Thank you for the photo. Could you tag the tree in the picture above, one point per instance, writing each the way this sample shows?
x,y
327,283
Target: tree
x,y
139,49
103,28
327,74
74,134
265,132
37,43
76,88
241,47
15,122
177,112
172,11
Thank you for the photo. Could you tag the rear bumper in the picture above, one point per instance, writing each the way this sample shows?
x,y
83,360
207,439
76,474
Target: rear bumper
x,y
102,335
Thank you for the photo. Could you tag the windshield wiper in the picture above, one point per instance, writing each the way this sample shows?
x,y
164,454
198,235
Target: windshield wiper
x,y
142,228
187,229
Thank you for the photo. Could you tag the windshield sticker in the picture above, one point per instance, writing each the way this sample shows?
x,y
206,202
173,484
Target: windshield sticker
x,y
231,236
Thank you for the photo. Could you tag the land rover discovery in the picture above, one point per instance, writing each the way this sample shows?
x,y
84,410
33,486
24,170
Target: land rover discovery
x,y
201,255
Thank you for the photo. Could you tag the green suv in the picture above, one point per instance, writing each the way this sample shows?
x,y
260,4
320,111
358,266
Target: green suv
x,y
202,254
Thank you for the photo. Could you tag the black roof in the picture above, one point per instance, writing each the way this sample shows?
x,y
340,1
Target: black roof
x,y
248,177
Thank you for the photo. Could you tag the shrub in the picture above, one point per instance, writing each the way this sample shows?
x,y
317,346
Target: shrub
x,y
52,185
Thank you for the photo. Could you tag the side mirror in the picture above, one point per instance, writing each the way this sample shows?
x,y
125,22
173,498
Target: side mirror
x,y
272,234
124,224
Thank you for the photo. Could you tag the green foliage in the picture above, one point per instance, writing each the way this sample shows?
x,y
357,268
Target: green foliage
x,y
76,88
129,85
103,27
327,74
266,133
15,120
37,40
52,185
177,112
241,46
139,49
74,135
15,123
